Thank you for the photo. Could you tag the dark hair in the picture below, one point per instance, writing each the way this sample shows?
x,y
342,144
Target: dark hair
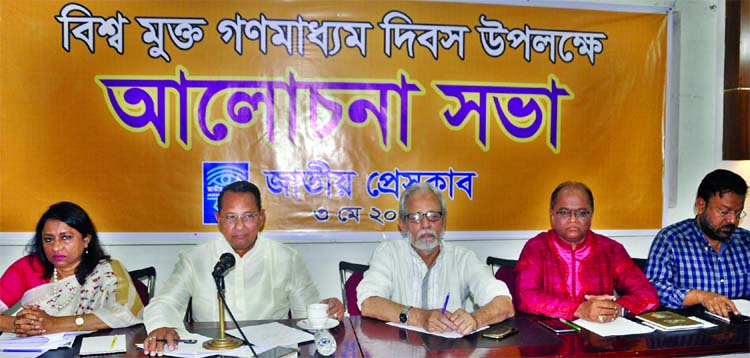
x,y
75,217
570,184
241,187
721,181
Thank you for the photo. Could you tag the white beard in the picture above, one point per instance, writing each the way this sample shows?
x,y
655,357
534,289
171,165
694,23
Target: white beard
x,y
426,240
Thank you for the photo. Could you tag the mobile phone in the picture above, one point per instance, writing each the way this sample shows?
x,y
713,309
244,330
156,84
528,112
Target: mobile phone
x,y
556,326
738,318
500,332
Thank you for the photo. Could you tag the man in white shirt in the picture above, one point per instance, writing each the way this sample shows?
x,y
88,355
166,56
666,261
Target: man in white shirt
x,y
412,280
268,280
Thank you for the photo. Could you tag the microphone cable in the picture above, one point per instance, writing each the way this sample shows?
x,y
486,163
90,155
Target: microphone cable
x,y
246,341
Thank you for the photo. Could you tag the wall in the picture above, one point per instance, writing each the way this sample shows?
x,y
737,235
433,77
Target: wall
x,y
697,135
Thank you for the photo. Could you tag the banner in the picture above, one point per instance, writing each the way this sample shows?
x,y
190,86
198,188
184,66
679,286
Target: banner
x,y
141,111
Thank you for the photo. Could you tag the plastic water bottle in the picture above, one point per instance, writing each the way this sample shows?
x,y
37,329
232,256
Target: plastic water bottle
x,y
325,343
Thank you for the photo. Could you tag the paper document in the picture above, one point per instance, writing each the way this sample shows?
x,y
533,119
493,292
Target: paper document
x,y
43,343
196,350
743,306
619,327
103,345
452,334
272,335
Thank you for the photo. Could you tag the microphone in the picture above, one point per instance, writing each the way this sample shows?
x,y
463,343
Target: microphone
x,y
226,262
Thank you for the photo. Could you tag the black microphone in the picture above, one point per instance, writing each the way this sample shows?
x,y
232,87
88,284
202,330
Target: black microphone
x,y
226,261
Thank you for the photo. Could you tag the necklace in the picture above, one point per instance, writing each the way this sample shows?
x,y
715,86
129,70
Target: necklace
x,y
57,293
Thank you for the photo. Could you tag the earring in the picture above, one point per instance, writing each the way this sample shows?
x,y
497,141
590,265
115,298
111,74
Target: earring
x,y
86,252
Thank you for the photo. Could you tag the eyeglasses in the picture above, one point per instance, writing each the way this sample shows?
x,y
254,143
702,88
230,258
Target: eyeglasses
x,y
580,214
430,215
737,214
246,218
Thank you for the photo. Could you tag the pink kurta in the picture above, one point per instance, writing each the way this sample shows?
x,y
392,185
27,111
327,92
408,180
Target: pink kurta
x,y
552,278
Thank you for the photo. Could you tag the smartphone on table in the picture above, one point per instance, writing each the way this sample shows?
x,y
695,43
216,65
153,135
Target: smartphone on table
x,y
733,318
499,332
556,326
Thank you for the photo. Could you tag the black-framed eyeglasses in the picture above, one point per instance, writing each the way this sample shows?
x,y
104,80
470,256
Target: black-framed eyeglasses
x,y
580,214
739,215
246,218
430,215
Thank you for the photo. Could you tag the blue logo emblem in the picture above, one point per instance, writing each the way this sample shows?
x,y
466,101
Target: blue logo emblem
x,y
217,175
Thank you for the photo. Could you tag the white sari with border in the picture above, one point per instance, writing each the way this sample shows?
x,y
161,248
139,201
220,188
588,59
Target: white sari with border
x,y
108,293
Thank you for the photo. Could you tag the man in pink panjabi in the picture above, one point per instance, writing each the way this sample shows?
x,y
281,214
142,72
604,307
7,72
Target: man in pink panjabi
x,y
571,272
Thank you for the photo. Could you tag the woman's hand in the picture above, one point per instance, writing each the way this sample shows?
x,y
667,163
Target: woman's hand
x,y
33,321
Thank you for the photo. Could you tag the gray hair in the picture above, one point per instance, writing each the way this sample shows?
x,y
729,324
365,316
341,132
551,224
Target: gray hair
x,y
421,187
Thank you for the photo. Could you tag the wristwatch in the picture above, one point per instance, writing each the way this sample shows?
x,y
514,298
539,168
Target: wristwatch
x,y
404,316
78,322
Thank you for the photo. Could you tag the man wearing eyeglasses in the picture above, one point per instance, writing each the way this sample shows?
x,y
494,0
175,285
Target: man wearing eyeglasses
x,y
268,280
426,282
572,272
705,260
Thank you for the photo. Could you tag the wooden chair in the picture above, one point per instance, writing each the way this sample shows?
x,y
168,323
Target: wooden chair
x,y
144,281
350,274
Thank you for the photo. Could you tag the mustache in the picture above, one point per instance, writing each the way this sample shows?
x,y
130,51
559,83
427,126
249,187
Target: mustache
x,y
426,232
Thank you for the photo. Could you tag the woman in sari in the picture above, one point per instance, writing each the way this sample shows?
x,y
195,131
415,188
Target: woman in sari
x,y
67,282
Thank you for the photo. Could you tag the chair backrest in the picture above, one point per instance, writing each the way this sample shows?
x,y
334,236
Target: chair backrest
x,y
189,312
350,275
641,263
503,269
144,281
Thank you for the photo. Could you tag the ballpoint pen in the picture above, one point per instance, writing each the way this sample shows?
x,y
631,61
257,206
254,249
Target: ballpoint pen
x,y
445,304
186,341
571,324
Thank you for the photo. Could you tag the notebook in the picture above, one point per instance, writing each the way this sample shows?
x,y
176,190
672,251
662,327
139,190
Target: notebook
x,y
668,321
103,345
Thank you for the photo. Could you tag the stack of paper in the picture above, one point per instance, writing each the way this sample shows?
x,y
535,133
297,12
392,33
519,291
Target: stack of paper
x,y
619,327
272,334
196,350
452,334
264,337
668,321
10,343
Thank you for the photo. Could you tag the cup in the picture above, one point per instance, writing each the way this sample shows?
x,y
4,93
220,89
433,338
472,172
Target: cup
x,y
316,314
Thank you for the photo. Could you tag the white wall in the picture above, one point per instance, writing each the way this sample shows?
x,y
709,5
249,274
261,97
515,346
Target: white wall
x,y
700,35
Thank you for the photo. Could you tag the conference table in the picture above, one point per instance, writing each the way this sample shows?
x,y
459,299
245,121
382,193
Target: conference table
x,y
366,337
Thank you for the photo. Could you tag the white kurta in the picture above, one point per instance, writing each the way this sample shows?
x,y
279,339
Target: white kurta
x,y
397,273
269,281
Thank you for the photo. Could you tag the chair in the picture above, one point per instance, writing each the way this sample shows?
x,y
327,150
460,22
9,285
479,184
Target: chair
x,y
503,270
189,312
145,290
351,274
641,263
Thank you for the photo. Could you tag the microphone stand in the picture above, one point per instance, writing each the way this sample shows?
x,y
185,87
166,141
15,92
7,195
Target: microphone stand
x,y
222,343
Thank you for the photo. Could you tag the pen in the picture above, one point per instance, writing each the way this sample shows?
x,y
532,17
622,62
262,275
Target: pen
x,y
186,341
571,324
445,305
12,350
114,340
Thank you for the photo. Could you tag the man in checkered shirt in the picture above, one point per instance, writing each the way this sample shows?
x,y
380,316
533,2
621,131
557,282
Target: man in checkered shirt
x,y
705,260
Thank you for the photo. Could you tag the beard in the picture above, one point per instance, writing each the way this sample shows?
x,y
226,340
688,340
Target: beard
x,y
721,233
426,240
